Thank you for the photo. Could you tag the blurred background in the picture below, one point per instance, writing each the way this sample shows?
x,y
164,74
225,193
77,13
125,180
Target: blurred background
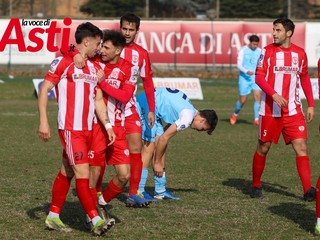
x,y
182,19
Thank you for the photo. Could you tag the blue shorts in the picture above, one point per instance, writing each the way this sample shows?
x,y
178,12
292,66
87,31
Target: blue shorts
x,y
148,134
247,84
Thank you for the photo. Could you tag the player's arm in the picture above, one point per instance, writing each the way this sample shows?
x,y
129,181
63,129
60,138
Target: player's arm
x,y
240,61
307,89
158,165
102,114
44,128
146,75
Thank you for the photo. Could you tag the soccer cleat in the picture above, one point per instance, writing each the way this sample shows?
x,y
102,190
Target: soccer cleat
x,y
99,228
148,197
317,230
103,213
256,192
136,201
310,195
233,119
56,224
165,195
256,122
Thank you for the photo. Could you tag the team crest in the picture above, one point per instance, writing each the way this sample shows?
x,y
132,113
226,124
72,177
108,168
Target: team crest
x,y
301,128
138,123
126,152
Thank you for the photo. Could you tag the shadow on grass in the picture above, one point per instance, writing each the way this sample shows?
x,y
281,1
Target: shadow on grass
x,y
244,186
239,121
296,212
72,214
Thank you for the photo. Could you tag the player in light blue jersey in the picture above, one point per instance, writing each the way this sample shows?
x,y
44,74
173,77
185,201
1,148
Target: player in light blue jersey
x,y
174,108
247,62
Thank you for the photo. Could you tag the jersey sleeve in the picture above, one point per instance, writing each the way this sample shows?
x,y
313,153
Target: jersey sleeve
x,y
57,68
305,81
146,75
240,61
185,119
261,72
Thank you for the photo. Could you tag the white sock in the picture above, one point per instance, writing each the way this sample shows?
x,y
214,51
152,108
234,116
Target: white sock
x,y
53,215
95,220
318,221
101,200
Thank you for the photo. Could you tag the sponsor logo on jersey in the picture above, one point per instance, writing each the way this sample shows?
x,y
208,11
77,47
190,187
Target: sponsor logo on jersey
x,y
84,77
285,69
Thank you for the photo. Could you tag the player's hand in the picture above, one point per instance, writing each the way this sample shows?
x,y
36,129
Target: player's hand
x,y
281,101
78,61
111,135
100,75
44,132
250,73
151,119
310,114
158,168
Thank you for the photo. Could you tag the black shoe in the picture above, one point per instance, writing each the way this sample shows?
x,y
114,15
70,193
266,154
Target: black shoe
x,y
103,213
310,195
256,192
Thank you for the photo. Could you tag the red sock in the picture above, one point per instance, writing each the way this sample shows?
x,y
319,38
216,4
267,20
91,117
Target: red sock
x,y
135,172
318,199
85,198
258,165
94,196
99,183
60,191
303,167
111,192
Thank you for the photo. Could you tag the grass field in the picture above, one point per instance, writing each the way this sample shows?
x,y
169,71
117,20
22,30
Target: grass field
x,y
212,174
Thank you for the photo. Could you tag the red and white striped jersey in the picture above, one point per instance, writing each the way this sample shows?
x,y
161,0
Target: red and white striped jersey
x,y
75,92
118,88
140,60
283,71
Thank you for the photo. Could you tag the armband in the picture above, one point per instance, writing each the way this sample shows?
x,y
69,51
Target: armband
x,y
108,126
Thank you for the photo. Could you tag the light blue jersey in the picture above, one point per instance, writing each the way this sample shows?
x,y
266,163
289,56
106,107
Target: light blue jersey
x,y
247,61
172,106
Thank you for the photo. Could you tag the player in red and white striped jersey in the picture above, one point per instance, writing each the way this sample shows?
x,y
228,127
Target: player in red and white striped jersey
x,y
282,69
138,56
75,96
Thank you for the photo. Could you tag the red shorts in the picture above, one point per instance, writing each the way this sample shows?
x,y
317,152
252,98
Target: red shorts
x,y
132,124
76,145
118,152
293,127
97,153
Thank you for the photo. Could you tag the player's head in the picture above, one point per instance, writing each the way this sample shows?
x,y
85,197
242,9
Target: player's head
x,y
112,44
254,42
89,37
205,120
129,26
287,24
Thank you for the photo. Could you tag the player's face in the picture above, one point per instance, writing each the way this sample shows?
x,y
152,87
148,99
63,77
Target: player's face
x,y
93,46
280,36
110,53
253,45
200,124
129,31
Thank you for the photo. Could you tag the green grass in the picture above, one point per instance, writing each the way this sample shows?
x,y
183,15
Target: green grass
x,y
212,174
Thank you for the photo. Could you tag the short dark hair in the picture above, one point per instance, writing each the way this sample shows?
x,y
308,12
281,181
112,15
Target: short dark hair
x,y
254,38
286,23
117,39
87,29
131,18
211,117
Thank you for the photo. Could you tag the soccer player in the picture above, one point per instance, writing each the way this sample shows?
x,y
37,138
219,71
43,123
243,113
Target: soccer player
x,y
282,69
139,57
317,228
75,88
116,89
174,108
247,62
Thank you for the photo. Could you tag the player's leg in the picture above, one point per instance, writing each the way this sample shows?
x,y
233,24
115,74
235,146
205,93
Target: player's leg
x,y
244,90
298,139
60,190
317,228
256,105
